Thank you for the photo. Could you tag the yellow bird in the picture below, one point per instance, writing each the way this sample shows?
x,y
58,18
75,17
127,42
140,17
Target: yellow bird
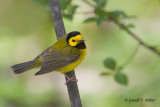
x,y
65,55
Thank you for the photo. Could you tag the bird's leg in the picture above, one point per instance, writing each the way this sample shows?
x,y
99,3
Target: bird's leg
x,y
73,78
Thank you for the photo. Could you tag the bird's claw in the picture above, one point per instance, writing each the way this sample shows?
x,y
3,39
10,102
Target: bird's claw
x,y
73,78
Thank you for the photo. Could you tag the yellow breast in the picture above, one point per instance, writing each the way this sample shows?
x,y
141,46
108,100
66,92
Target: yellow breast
x,y
73,65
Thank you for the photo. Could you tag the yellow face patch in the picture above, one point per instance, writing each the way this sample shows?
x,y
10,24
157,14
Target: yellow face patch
x,y
73,41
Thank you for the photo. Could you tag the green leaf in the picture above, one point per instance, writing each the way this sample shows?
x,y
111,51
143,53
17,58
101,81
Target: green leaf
x,y
64,4
91,19
100,3
100,19
68,16
99,12
121,78
73,9
110,63
120,14
68,13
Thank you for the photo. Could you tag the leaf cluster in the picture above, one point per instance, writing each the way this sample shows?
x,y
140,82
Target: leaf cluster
x,y
68,9
119,76
101,15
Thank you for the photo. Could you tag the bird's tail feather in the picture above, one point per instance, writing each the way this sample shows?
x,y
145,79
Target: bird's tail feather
x,y
20,68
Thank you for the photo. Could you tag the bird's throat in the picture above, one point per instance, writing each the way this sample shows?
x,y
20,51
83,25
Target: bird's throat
x,y
81,45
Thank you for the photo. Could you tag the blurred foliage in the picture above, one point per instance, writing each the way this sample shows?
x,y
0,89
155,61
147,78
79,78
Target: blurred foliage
x,y
110,63
67,8
100,3
101,15
15,94
120,77
27,29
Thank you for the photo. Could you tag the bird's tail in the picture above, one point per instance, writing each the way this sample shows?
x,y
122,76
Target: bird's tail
x,y
20,68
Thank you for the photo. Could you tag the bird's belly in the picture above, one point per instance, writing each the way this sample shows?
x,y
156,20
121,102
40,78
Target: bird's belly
x,y
73,65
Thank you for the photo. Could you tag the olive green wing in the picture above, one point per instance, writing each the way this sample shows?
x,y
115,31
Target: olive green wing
x,y
55,60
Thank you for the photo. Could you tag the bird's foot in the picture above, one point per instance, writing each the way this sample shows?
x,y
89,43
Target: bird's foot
x,y
73,78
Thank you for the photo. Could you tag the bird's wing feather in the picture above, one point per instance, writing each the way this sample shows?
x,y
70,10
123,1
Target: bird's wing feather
x,y
54,60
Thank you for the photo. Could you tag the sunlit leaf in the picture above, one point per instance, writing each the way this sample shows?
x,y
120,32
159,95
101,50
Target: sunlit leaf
x,y
121,78
110,63
91,19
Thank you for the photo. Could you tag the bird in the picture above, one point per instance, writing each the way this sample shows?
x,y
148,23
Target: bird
x,y
63,56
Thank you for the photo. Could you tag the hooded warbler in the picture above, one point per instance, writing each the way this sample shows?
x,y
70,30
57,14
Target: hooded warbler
x,y
66,54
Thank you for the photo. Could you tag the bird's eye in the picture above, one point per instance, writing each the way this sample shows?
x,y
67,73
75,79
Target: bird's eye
x,y
73,40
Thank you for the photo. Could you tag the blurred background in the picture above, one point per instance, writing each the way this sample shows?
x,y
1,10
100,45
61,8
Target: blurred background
x,y
26,29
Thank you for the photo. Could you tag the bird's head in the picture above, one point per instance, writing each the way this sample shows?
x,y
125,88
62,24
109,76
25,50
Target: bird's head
x,y
75,39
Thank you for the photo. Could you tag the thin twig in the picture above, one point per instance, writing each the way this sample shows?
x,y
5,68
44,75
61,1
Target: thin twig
x,y
60,31
122,26
130,58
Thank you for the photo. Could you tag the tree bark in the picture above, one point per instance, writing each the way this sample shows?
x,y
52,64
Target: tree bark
x,y
60,31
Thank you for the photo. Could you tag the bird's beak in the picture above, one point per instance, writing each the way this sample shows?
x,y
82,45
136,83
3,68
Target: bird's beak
x,y
82,40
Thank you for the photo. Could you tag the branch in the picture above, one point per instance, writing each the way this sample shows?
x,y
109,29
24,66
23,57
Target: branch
x,y
122,26
130,58
60,31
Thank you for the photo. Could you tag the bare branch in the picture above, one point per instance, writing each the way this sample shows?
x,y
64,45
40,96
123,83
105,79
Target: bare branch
x,y
122,26
60,31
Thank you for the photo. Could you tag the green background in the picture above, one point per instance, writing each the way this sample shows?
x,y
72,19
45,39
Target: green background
x,y
26,29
